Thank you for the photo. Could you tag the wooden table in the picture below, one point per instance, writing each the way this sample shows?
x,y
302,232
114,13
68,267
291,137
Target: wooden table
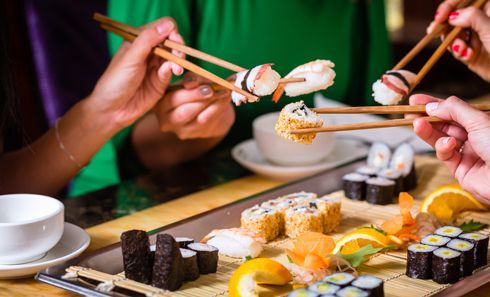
x,y
166,213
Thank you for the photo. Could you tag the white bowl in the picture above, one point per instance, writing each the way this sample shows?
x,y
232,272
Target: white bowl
x,y
288,153
30,225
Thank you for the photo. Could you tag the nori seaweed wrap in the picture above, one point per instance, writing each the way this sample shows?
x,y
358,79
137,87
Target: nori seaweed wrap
x,y
184,241
380,191
419,261
207,257
354,185
403,160
371,284
367,171
435,240
137,258
167,273
190,269
446,266
467,250
481,247
395,176
351,291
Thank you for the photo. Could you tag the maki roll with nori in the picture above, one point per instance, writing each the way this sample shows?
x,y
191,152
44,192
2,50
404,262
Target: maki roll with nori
x,y
446,266
207,257
380,191
367,171
354,186
167,272
137,257
302,293
190,269
403,161
379,155
323,288
184,241
481,247
449,231
341,279
467,250
371,284
395,176
435,240
419,261
351,291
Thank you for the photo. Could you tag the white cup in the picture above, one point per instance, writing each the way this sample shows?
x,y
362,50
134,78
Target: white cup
x,y
30,225
288,153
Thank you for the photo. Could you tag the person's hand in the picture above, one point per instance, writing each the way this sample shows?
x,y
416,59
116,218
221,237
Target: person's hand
x,y
136,79
472,47
196,110
462,143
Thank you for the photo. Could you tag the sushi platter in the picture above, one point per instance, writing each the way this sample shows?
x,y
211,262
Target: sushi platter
x,y
389,266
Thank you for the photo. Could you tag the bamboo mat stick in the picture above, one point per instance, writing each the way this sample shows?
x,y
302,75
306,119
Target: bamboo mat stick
x,y
184,63
363,126
393,109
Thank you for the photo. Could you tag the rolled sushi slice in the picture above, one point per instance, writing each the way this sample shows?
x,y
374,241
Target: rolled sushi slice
x,y
354,185
371,284
329,207
379,155
449,231
435,240
301,219
167,273
137,256
419,261
341,279
395,176
367,171
262,220
190,269
351,291
481,247
318,75
207,257
380,191
446,266
393,86
261,80
184,241
467,250
297,116
323,288
302,293
403,160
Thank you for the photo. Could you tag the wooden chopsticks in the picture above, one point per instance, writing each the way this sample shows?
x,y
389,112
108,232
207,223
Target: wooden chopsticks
x,y
396,109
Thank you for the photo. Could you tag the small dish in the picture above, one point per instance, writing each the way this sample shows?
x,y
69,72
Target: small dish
x,y
249,156
73,242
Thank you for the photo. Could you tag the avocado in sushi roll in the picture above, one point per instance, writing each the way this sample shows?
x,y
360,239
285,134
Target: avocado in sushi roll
x,y
435,240
323,288
341,279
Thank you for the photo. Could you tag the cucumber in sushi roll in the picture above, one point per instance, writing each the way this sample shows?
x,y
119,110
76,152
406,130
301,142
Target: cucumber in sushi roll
x,y
302,293
354,185
379,155
351,291
435,240
341,279
380,191
403,160
446,266
467,250
323,288
371,284
448,231
419,261
481,247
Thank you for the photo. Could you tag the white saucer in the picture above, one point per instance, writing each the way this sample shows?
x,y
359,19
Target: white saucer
x,y
249,156
73,242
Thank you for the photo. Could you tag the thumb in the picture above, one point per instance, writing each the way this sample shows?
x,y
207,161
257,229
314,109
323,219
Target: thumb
x,y
471,17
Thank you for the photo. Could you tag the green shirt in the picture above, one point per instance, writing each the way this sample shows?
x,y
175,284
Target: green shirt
x,y
351,33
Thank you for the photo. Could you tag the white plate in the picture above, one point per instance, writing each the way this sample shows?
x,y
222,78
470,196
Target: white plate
x,y
73,242
249,156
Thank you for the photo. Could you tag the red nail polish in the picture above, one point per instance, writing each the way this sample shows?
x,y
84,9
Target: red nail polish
x,y
455,48
464,53
453,15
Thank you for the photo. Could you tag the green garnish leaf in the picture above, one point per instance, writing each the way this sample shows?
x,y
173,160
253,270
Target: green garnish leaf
x,y
289,259
376,228
248,258
359,257
471,226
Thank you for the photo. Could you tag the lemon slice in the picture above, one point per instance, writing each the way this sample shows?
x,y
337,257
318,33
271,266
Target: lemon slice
x,y
448,201
353,241
261,271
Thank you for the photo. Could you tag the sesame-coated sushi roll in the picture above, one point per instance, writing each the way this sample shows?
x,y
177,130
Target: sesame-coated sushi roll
x,y
435,240
329,207
301,219
371,284
341,279
395,176
467,250
367,171
207,257
190,268
167,273
446,266
403,161
481,247
449,231
301,198
137,257
419,261
302,293
379,155
354,185
351,291
264,221
184,241
323,288
380,191
297,116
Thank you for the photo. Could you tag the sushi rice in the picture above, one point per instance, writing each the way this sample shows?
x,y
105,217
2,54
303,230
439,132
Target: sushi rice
x,y
301,219
352,292
340,279
323,288
297,116
262,220
435,240
448,231
379,155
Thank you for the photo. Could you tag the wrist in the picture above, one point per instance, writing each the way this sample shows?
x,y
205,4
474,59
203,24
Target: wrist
x,y
95,120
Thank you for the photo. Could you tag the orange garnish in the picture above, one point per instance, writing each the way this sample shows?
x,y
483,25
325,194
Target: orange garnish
x,y
406,202
408,236
402,226
297,259
313,261
278,93
311,249
393,225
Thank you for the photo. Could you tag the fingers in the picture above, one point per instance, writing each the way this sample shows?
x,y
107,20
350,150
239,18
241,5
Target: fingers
x,y
184,96
420,99
442,13
470,17
192,80
447,151
175,36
